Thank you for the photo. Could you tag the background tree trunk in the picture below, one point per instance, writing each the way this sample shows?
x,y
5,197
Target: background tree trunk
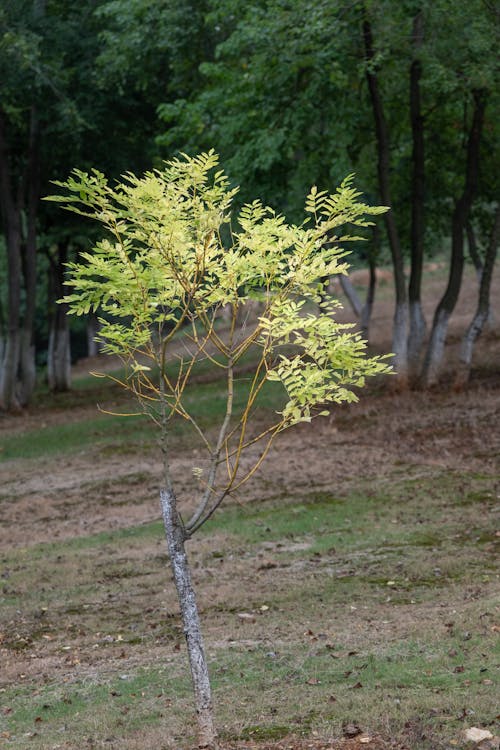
x,y
460,216
400,321
2,335
350,293
176,538
27,365
418,326
473,250
59,349
18,371
483,306
93,346
366,312
12,230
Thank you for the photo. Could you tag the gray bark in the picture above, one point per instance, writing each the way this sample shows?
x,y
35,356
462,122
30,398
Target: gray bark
x,y
444,310
366,312
399,343
366,315
483,306
8,371
435,349
351,294
399,338
59,359
59,349
416,337
176,538
418,326
12,230
473,251
27,366
18,194
93,346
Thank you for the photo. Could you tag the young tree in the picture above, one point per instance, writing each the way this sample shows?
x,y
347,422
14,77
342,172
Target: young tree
x,y
164,271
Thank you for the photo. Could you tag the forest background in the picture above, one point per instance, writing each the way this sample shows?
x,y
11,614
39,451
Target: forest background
x,y
349,592
290,94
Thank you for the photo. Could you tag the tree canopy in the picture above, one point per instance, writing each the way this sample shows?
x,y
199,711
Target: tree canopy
x,y
282,91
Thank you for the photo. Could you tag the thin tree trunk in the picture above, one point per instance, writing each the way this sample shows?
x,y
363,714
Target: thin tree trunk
x,y
475,256
483,306
93,346
366,312
27,367
2,335
350,293
399,339
176,538
417,321
435,350
59,359
416,337
59,349
12,230
473,250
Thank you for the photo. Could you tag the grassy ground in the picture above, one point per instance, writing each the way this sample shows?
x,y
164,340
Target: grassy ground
x,y
371,608
349,594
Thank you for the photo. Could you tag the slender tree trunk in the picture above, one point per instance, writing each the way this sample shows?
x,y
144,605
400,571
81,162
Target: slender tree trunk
x,y
477,260
483,307
27,367
12,230
399,339
59,358
417,321
350,293
435,350
366,312
176,538
2,335
473,250
17,370
93,348
59,350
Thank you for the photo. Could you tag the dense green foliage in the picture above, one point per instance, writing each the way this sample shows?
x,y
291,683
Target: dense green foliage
x,y
277,88
163,268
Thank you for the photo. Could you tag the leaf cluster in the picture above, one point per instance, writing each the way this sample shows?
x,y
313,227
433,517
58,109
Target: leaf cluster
x,y
171,262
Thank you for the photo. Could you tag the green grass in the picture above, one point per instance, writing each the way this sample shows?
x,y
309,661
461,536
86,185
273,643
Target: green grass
x,y
205,401
273,692
69,438
54,712
376,607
